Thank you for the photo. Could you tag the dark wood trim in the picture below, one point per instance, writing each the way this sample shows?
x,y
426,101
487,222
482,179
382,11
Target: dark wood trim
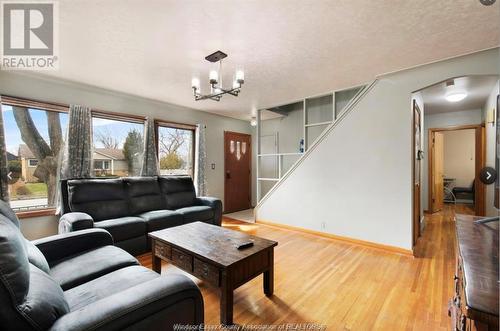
x,y
415,229
176,125
480,157
36,213
29,103
118,116
250,149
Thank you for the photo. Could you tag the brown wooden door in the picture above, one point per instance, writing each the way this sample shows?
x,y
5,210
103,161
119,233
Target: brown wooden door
x,y
237,171
417,174
437,202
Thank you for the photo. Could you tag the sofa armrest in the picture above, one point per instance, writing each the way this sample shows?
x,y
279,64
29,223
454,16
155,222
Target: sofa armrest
x,y
75,221
215,204
63,245
158,304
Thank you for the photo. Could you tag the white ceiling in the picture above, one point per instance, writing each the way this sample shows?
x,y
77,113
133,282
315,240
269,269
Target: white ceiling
x,y
289,49
478,88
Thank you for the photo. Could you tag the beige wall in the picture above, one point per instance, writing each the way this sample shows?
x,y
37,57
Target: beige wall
x,y
459,158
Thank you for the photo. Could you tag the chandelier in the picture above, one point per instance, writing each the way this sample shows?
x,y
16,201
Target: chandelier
x,y
215,79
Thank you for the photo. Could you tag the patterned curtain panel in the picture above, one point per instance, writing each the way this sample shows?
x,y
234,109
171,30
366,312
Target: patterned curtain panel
x,y
77,155
4,166
150,165
200,161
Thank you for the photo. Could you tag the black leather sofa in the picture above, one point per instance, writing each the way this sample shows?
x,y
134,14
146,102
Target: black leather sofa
x,y
80,281
131,207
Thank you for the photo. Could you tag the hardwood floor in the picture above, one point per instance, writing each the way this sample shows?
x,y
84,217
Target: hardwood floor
x,y
344,286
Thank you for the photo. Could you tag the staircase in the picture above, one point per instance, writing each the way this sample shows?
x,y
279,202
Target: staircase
x,y
320,115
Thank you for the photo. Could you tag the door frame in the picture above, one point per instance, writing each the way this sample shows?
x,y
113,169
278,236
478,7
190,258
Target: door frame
x,y
415,223
250,149
480,159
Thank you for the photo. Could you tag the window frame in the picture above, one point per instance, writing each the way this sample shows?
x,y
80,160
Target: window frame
x,y
38,105
181,126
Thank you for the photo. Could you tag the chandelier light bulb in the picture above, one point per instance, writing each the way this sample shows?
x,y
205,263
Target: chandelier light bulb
x,y
195,83
240,76
236,84
213,76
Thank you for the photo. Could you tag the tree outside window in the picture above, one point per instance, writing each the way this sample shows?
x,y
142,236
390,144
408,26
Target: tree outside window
x,y
34,139
176,152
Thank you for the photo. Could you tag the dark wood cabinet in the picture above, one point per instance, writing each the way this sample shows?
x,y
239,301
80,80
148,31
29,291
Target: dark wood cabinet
x,y
474,306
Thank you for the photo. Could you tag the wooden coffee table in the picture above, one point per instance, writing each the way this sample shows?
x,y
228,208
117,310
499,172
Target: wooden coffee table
x,y
209,252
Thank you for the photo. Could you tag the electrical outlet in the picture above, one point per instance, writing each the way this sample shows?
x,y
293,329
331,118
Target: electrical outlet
x,y
323,225
213,166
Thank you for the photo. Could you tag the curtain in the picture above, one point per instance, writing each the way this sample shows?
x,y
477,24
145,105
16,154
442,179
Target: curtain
x,y
77,153
200,161
150,159
4,166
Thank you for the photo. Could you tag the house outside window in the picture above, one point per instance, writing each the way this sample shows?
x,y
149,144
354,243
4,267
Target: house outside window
x,y
32,162
118,145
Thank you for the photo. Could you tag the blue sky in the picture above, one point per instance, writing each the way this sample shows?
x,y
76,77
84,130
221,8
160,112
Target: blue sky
x,y
118,129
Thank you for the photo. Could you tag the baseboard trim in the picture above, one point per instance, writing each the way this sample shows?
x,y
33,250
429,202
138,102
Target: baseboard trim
x,y
359,242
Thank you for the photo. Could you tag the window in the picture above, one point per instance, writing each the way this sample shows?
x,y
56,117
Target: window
x,y
32,153
118,146
176,150
102,165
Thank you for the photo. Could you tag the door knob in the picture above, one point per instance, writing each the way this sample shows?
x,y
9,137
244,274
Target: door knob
x,y
228,174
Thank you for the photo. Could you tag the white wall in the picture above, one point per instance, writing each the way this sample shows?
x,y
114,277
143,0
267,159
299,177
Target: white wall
x,y
443,120
459,156
490,148
47,89
357,180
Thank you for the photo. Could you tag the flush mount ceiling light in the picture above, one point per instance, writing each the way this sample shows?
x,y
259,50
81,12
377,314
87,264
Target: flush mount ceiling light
x,y
454,94
215,80
253,121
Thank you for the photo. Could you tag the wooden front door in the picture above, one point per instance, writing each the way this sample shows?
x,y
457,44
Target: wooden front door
x,y
437,201
237,171
417,173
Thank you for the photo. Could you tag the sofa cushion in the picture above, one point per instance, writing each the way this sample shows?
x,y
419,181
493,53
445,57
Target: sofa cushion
x,y
161,219
178,191
87,266
100,198
36,257
144,194
196,213
124,227
111,283
29,298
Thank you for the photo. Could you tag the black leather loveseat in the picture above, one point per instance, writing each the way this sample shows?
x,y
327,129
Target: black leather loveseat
x,y
131,207
80,281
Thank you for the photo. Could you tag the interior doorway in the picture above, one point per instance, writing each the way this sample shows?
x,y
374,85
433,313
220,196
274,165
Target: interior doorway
x,y
237,171
449,183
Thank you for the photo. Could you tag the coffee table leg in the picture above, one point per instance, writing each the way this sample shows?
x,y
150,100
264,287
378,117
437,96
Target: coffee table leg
x,y
226,300
269,276
156,261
